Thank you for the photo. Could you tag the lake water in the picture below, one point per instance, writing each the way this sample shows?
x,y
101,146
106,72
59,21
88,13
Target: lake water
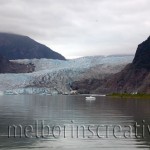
x,y
71,122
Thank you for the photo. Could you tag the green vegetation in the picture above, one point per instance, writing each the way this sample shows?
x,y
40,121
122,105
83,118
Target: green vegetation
x,y
128,95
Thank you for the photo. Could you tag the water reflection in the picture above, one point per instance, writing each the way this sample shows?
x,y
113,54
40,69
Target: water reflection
x,y
61,110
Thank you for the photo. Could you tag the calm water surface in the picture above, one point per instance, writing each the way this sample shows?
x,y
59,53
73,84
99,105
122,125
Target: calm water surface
x,y
74,123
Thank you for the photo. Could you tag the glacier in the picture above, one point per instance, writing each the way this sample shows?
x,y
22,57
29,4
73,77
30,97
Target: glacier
x,y
55,76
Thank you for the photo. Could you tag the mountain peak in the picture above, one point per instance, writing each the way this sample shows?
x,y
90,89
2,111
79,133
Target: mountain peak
x,y
148,38
13,46
142,55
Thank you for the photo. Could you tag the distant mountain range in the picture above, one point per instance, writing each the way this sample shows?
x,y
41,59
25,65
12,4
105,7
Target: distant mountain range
x,y
14,46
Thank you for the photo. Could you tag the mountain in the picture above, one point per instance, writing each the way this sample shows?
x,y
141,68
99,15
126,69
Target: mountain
x,y
135,77
14,46
7,66
142,56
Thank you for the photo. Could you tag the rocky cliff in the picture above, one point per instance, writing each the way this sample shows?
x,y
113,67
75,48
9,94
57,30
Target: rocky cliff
x,y
7,66
135,77
142,56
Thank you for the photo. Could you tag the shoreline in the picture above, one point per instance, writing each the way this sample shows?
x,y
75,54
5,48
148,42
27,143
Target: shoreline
x,y
126,95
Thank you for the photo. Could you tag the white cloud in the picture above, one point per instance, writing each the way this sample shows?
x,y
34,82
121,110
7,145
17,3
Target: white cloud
x,y
79,27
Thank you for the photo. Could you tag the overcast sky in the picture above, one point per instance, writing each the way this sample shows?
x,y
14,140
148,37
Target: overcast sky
x,y
79,27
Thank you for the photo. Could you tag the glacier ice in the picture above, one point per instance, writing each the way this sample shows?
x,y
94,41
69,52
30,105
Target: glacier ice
x,y
54,76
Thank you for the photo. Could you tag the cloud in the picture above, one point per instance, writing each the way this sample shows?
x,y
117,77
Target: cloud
x,y
79,27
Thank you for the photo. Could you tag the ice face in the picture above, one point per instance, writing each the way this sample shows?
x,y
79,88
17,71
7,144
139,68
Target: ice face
x,y
54,76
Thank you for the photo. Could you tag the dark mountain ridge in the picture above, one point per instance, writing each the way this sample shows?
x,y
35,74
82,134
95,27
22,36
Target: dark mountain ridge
x,y
142,56
13,46
134,78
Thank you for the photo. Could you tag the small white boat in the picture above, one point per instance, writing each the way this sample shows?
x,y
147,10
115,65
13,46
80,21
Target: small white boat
x,y
90,98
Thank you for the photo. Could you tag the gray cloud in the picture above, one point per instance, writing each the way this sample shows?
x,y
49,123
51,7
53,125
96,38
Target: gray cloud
x,y
79,27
